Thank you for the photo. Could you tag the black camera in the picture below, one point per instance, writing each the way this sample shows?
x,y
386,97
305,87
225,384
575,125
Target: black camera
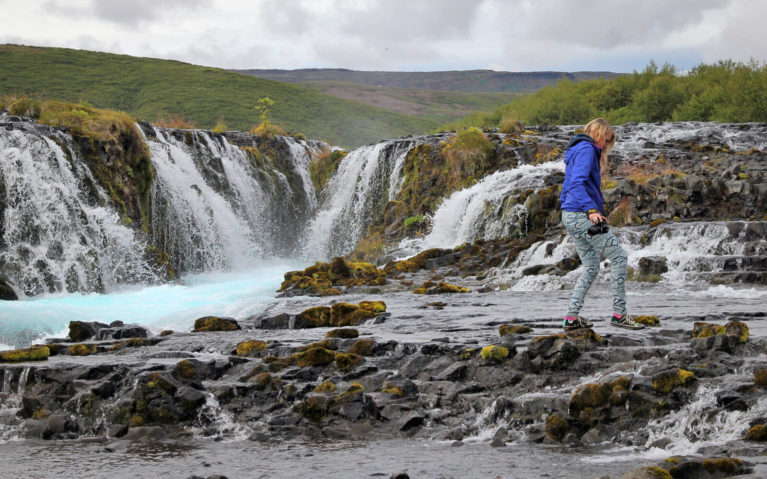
x,y
598,228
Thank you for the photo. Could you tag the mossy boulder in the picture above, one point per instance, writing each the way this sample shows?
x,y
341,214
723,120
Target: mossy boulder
x,y
590,395
666,381
328,344
345,361
736,329
363,347
730,466
215,323
494,353
251,348
347,314
34,353
82,349
430,287
314,357
757,433
322,279
556,427
415,263
83,330
317,316
343,333
513,329
647,320
760,377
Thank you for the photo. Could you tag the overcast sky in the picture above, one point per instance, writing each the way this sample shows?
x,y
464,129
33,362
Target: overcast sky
x,y
404,35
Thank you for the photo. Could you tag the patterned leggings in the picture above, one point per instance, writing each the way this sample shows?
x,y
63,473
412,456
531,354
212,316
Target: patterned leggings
x,y
589,249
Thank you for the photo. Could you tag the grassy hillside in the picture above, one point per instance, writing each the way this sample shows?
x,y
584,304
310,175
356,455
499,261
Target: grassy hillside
x,y
154,89
440,106
466,80
726,91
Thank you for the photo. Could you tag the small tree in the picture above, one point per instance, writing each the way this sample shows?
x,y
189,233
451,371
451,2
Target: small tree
x,y
264,107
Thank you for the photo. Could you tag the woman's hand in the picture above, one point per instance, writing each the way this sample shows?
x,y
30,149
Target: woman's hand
x,y
596,218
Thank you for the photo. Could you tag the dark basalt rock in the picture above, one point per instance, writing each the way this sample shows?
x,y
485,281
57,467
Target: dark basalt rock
x,y
82,331
6,291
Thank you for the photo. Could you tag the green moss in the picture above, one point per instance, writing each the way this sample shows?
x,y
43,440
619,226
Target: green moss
x,y
215,323
34,353
494,354
757,433
185,369
314,357
346,361
658,472
672,460
343,333
313,408
440,288
729,465
166,332
466,354
760,377
136,421
590,395
318,316
556,427
326,343
738,329
512,329
251,347
346,314
647,320
325,387
667,381
393,390
363,347
82,349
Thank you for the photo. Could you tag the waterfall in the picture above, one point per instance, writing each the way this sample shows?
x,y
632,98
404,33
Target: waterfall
x,y
366,180
478,212
57,234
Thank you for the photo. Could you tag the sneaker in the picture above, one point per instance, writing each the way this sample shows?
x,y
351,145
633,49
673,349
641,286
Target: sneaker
x,y
626,322
577,323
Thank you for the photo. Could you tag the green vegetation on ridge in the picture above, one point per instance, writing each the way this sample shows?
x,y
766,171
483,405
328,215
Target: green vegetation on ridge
x,y
153,90
726,91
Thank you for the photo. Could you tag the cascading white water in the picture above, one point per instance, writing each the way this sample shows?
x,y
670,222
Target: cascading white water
x,y
473,213
366,180
57,232
199,227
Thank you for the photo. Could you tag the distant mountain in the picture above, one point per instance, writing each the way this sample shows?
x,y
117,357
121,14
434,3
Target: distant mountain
x,y
465,81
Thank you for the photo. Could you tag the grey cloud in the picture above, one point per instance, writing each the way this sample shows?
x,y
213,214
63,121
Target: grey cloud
x,y
361,55
131,13
601,24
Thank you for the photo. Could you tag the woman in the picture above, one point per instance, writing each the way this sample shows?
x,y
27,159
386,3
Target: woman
x,y
581,201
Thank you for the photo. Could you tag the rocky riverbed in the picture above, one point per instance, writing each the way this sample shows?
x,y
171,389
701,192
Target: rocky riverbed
x,y
432,370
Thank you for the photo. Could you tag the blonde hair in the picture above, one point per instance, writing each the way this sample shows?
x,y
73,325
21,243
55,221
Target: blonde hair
x,y
600,130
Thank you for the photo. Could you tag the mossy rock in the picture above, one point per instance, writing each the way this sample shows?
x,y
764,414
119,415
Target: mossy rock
x,y
494,353
251,348
590,395
585,335
391,389
513,329
760,377
415,263
728,465
82,349
314,357
83,330
325,387
757,433
34,353
318,316
656,472
363,347
343,333
215,323
736,329
374,306
166,332
556,427
347,314
440,288
647,320
345,361
185,369
313,408
667,381
328,344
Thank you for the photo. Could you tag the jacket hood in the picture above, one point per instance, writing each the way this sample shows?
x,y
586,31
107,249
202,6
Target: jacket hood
x,y
574,140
